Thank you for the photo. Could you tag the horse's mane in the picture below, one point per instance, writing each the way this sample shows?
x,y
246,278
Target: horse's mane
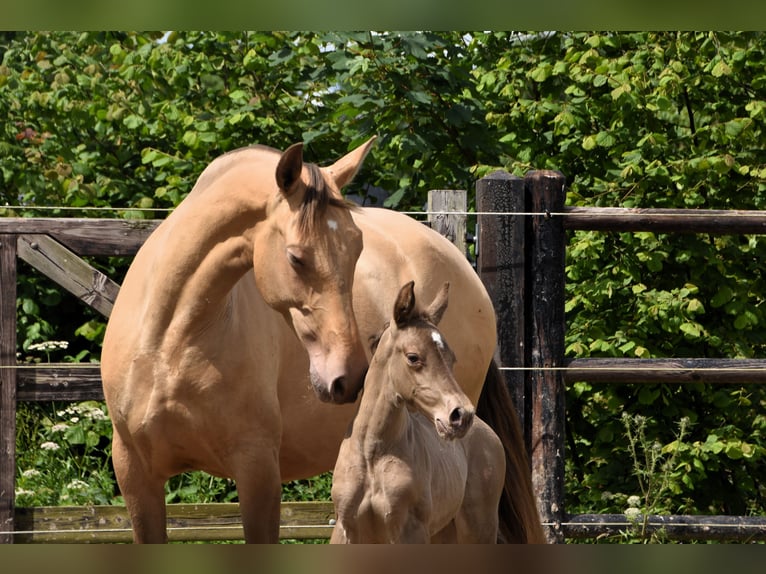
x,y
375,339
317,198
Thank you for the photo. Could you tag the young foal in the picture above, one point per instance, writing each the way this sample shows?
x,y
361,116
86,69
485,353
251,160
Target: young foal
x,y
416,465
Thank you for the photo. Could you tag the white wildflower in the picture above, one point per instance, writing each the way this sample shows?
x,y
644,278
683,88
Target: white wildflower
x,y
77,484
634,501
632,513
23,492
59,427
49,446
48,345
30,473
96,414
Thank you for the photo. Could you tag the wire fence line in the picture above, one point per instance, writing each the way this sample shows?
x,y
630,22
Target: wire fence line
x,y
627,212
579,369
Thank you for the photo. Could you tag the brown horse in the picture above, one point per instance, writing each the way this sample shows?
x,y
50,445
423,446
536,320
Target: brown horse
x,y
236,314
417,466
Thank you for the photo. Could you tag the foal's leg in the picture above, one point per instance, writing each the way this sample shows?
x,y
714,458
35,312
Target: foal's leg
x,y
260,493
144,495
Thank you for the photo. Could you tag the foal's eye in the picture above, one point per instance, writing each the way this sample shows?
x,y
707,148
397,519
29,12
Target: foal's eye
x,y
413,359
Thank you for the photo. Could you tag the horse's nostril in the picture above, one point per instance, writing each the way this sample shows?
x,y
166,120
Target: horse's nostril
x,y
338,389
460,418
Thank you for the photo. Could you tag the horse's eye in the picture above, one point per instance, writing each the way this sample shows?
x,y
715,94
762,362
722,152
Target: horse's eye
x,y
413,359
295,259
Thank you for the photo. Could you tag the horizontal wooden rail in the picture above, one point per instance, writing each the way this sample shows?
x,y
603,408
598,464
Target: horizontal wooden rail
x,y
82,382
59,382
186,523
620,370
732,222
671,527
86,236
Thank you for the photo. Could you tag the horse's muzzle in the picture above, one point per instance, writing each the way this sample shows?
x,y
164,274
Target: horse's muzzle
x,y
460,420
338,391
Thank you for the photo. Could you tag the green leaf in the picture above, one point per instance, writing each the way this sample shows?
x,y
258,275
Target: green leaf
x,y
721,68
589,142
132,121
691,329
541,72
722,296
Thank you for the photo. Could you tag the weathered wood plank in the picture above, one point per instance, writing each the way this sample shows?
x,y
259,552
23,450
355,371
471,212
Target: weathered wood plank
x,y
68,270
186,522
86,236
673,527
733,222
544,346
450,225
619,370
59,382
500,262
7,384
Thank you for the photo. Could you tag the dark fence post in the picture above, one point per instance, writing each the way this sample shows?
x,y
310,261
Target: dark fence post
x,y
545,329
500,264
7,386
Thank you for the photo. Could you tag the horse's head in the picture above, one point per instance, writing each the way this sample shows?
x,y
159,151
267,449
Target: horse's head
x,y
304,268
420,364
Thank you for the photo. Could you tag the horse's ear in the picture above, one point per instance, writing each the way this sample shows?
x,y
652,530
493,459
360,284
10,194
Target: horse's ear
x,y
289,168
438,306
405,303
344,170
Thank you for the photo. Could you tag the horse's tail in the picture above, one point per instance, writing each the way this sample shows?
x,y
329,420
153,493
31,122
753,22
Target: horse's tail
x,y
519,519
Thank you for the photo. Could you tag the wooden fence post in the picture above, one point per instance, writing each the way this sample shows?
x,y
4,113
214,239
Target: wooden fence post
x,y
7,386
452,226
500,264
545,329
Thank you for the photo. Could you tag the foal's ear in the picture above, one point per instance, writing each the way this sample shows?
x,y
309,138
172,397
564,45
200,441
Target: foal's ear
x,y
438,306
405,303
289,168
344,170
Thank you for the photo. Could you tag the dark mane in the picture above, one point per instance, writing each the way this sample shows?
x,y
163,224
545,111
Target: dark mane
x,y
317,198
375,339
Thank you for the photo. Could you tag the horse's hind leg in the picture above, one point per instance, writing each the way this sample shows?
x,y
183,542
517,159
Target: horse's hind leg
x,y
259,487
144,496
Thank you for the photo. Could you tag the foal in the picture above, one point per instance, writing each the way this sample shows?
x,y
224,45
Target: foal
x,y
416,465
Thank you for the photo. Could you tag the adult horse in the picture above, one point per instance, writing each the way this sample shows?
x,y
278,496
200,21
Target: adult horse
x,y
236,314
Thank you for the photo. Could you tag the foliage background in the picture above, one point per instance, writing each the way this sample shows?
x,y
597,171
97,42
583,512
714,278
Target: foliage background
x,y
126,121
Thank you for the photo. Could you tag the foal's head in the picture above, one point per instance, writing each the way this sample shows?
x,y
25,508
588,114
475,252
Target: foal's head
x,y
418,363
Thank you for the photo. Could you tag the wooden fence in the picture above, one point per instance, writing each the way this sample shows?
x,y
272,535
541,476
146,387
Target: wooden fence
x,y
521,259
521,234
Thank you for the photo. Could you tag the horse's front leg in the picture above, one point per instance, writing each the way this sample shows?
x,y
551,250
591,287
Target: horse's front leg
x,y
260,493
144,494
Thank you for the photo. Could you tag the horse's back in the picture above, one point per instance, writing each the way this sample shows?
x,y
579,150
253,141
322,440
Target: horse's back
x,y
398,249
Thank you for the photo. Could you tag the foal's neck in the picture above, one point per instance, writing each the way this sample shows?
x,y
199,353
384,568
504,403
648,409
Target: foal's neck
x,y
382,420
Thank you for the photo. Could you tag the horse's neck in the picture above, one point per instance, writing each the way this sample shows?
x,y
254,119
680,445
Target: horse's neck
x,y
206,248
382,421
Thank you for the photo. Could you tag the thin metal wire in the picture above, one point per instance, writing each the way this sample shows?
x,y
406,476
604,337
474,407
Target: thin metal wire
x,y
84,208
632,367
237,527
629,212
